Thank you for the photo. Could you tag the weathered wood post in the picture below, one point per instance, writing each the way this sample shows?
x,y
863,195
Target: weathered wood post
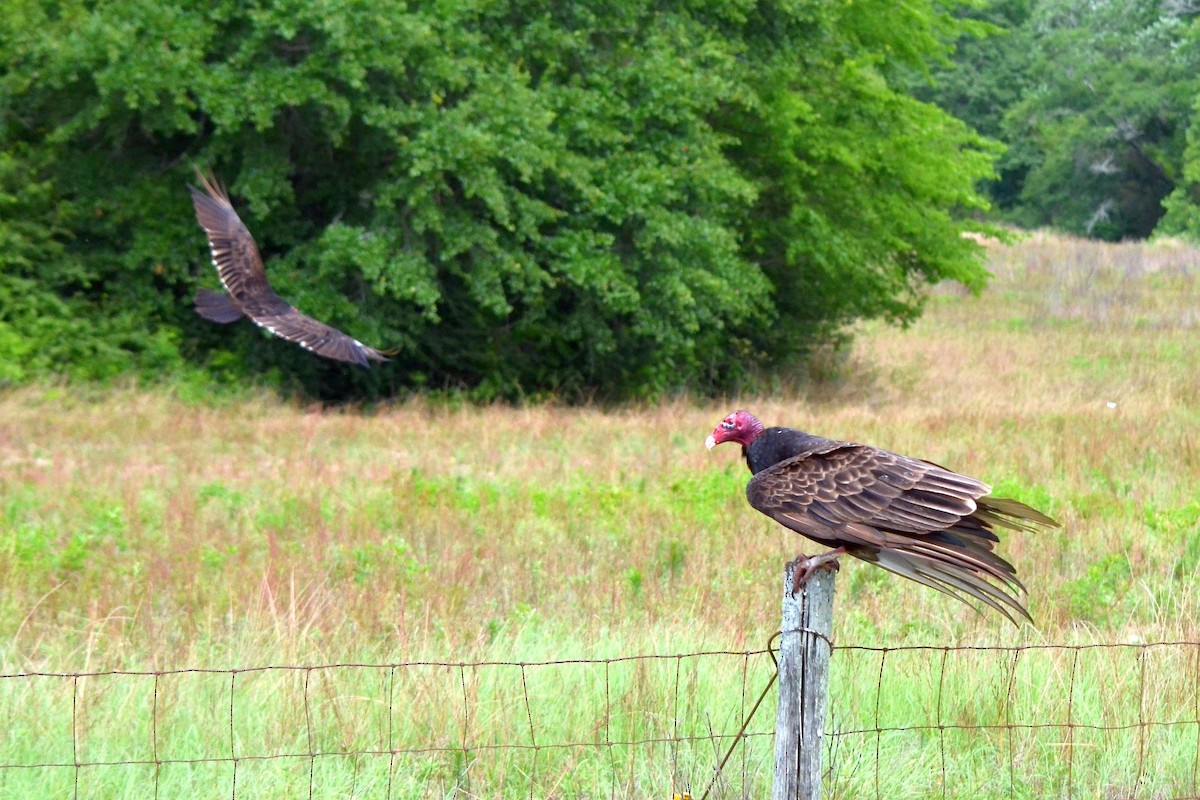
x,y
804,649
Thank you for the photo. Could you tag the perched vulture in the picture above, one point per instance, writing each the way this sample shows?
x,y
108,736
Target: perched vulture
x,y
909,516
240,267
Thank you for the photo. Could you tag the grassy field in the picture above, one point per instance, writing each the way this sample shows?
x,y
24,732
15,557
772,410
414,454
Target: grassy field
x,y
150,531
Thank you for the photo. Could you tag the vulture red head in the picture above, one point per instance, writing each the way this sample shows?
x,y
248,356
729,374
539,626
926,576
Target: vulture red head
x,y
740,426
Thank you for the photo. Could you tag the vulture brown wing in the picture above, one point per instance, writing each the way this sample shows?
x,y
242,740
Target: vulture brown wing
x,y
908,516
852,494
240,267
318,337
234,253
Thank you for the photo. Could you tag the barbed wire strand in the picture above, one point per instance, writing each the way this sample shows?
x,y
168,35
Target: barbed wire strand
x,y
75,731
675,728
1196,714
532,735
154,736
1071,725
87,749
608,743
941,728
465,775
746,720
742,716
232,740
1008,737
1141,720
879,731
391,734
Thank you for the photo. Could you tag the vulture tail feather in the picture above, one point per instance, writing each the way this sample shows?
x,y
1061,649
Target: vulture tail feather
x,y
951,579
1011,514
216,307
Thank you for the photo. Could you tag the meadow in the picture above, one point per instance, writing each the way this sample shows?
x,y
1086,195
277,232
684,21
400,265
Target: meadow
x,y
231,550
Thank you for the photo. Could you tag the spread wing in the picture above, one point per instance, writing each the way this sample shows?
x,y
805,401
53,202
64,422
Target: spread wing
x,y
911,517
234,253
318,337
240,268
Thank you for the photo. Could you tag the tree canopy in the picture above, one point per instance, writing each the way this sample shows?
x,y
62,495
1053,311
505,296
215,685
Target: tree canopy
x,y
1095,100
577,199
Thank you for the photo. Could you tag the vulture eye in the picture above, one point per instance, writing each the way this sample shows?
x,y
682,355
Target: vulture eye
x,y
727,425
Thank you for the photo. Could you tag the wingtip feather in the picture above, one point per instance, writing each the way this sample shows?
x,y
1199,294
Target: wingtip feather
x,y
951,580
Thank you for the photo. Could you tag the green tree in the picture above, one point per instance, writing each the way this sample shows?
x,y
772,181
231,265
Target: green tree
x,y
987,73
1099,134
864,191
524,198
1182,206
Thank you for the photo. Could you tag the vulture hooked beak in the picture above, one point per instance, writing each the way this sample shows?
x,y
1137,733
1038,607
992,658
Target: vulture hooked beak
x,y
710,442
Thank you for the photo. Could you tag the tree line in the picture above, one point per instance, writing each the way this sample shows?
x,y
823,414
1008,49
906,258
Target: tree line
x,y
528,199
1096,103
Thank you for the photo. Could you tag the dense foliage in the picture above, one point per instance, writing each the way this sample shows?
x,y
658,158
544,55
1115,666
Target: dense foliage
x,y
1095,100
582,199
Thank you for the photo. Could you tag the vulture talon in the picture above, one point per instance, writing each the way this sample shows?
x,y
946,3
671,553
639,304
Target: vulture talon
x,y
807,566
909,516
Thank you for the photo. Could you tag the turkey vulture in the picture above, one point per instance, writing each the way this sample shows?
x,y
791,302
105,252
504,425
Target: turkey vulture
x,y
909,516
240,268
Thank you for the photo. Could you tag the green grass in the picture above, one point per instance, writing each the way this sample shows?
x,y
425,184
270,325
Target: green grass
x,y
151,531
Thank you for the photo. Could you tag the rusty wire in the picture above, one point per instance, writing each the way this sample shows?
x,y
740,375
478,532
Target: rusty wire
x,y
1071,729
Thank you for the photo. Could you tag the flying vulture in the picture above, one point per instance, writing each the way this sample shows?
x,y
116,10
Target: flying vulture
x,y
909,516
240,267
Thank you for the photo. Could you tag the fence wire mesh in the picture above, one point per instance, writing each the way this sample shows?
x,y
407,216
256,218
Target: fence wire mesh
x,y
1096,720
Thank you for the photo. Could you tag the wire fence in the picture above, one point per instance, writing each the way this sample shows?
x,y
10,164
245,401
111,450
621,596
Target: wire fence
x,y
1097,720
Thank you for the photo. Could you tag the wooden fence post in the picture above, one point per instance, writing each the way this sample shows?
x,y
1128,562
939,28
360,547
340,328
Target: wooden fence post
x,y
804,649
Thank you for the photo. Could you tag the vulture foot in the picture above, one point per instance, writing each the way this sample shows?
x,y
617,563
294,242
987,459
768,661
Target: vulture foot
x,y
805,566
